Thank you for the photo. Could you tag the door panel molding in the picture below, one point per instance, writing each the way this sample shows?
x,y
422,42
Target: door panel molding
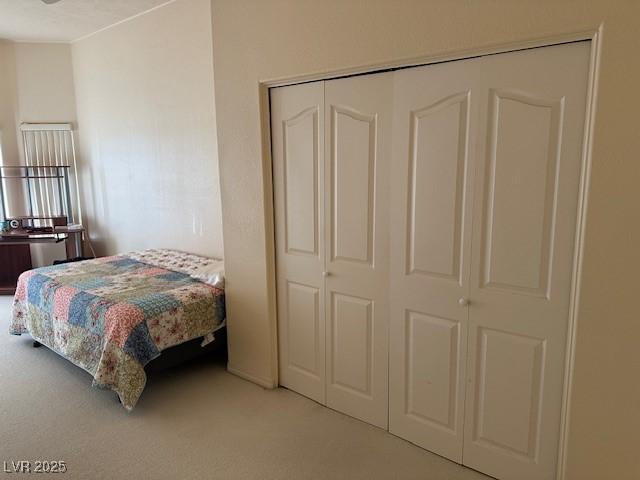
x,y
531,365
535,280
346,244
357,327
297,200
434,261
438,386
304,353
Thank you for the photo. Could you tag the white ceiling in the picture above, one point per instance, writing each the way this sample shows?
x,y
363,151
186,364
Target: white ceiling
x,y
67,20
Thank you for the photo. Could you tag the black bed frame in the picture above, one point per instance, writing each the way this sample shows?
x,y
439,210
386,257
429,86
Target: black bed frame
x,y
188,351
185,352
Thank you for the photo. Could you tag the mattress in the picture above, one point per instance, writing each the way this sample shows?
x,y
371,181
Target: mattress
x,y
113,315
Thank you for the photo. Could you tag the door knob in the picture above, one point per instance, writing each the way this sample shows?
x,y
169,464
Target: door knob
x,y
463,302
326,274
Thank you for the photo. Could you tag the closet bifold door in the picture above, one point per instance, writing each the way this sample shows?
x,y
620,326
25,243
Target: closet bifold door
x,y
435,116
357,155
526,201
297,127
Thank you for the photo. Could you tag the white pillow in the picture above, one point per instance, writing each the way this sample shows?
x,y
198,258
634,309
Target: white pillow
x,y
212,274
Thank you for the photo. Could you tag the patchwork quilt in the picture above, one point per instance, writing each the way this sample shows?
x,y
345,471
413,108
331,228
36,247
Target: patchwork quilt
x,y
113,315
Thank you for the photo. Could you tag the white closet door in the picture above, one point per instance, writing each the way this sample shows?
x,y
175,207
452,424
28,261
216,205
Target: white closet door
x,y
358,128
435,115
525,208
297,122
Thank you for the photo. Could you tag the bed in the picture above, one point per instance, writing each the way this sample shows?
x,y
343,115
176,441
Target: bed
x,y
111,316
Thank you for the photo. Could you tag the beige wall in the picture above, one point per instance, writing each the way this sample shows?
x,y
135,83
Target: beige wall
x,y
258,40
45,82
36,85
144,91
8,104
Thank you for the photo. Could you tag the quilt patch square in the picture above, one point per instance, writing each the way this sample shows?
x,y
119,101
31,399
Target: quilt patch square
x,y
78,309
90,283
96,314
140,345
155,303
62,302
120,320
124,262
174,277
35,288
48,294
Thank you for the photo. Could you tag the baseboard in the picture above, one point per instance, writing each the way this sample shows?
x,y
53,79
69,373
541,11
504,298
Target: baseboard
x,y
263,382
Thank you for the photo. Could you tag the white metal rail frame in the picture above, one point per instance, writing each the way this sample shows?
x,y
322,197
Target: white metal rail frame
x,y
51,145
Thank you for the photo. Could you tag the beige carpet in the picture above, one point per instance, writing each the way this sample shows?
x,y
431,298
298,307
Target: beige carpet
x,y
192,422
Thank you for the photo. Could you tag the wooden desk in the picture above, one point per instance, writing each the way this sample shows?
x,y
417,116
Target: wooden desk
x,y
14,259
15,256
